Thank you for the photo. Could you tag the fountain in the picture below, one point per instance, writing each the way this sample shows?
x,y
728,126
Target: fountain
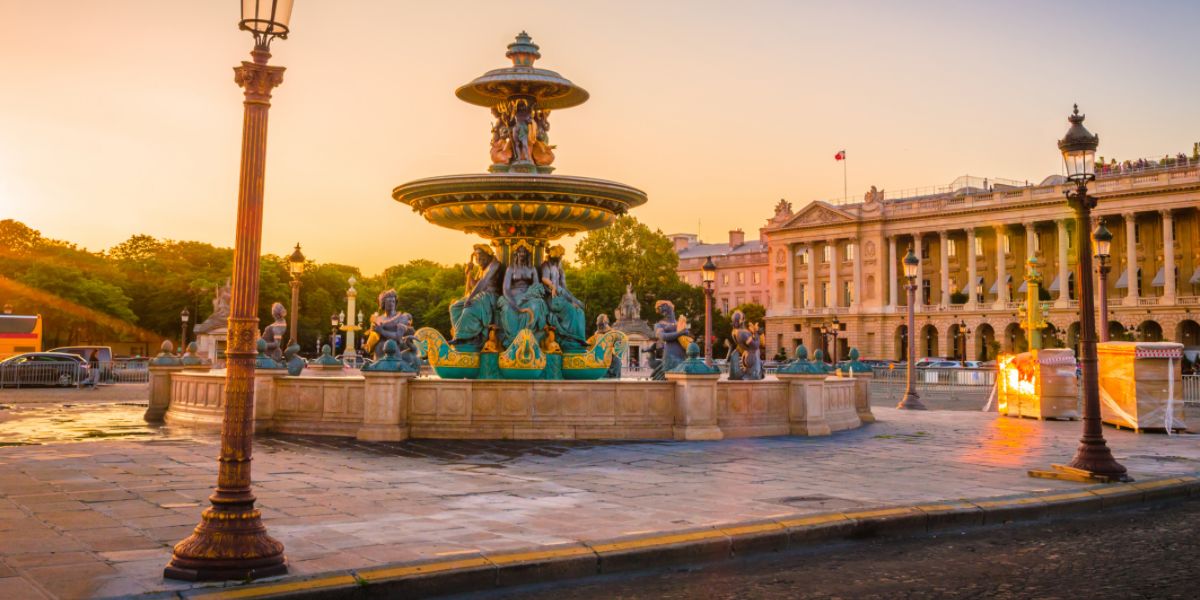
x,y
520,207
518,362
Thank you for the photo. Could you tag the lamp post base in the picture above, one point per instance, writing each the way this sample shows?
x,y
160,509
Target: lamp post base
x,y
911,401
229,544
1093,456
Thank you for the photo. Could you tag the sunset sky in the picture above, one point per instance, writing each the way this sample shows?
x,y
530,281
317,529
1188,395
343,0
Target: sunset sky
x,y
121,117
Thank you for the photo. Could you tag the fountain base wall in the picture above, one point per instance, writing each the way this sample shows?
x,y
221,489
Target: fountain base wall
x,y
378,406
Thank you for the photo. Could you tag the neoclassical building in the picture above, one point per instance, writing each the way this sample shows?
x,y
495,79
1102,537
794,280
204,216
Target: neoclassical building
x,y
742,271
974,239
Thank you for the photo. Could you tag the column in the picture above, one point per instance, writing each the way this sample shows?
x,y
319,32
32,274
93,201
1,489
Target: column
x,y
1030,235
857,287
1168,236
834,261
893,291
972,268
1131,294
943,245
810,296
789,292
1064,296
1001,273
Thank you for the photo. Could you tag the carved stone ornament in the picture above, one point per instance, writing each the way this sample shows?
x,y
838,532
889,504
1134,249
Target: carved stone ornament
x,y
869,249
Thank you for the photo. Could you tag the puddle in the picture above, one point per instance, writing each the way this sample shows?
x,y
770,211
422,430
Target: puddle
x,y
48,424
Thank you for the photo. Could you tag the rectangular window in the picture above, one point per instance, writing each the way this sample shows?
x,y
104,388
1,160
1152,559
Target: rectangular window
x,y
725,279
951,249
1037,243
725,305
825,293
803,256
978,246
847,293
1007,247
926,291
827,253
850,250
741,278
1137,234
924,251
803,295
756,277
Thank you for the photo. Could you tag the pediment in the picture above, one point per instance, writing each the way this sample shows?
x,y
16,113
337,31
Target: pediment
x,y
819,213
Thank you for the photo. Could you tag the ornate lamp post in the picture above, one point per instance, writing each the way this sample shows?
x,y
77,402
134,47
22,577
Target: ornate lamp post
x,y
231,543
835,328
183,321
296,269
1103,240
709,273
1079,153
351,350
912,270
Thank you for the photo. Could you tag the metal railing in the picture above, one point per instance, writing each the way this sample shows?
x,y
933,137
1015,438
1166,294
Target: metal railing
x,y
43,374
1191,389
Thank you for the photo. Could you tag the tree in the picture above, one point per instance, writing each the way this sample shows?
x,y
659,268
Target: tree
x,y
632,251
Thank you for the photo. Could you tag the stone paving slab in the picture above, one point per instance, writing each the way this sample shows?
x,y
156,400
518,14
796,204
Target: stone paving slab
x,y
97,519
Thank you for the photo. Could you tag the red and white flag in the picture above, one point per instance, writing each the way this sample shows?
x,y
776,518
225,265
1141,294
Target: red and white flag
x,y
841,155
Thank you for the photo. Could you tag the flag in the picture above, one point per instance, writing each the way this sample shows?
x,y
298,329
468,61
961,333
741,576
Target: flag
x,y
841,155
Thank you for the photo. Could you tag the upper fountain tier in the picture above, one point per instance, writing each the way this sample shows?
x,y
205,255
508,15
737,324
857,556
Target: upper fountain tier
x,y
520,199
547,89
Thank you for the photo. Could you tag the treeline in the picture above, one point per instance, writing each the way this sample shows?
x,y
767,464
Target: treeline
x,y
146,282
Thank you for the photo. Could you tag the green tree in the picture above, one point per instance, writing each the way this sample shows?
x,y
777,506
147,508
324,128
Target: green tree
x,y
632,251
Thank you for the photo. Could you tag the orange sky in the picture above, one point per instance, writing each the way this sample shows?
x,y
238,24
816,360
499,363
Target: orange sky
x,y
121,117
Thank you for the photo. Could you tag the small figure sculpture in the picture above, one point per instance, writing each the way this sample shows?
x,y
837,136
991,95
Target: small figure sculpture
x,y
553,352
852,364
566,311
295,363
629,309
326,359
489,356
800,365
744,360
671,333
396,360
471,315
522,306
501,138
191,358
602,327
818,362
273,334
389,324
521,121
543,152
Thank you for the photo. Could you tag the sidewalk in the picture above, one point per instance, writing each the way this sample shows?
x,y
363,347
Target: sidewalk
x,y
97,518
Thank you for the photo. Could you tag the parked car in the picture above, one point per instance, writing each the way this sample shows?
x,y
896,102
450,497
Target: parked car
x,y
43,368
98,358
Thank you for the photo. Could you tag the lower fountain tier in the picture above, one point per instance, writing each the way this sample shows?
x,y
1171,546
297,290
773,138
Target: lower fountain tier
x,y
508,205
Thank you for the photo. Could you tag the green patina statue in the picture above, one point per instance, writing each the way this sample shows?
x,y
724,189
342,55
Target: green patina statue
x,y
395,360
166,356
295,363
326,359
264,360
190,358
471,315
853,365
673,337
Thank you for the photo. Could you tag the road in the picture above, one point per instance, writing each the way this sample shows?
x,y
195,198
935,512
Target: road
x,y
1141,553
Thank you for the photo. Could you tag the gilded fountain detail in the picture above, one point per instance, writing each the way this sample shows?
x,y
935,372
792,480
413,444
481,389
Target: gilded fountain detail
x,y
517,318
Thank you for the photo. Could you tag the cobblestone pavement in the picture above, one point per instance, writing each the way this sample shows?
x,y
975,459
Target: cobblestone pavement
x,y
120,392
1143,553
97,518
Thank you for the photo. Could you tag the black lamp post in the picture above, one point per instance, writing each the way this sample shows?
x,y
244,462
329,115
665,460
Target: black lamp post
x,y
833,353
709,273
184,315
231,543
1079,154
912,270
296,269
1102,237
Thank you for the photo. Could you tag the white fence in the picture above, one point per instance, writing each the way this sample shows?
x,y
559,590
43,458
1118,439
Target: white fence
x,y
1191,389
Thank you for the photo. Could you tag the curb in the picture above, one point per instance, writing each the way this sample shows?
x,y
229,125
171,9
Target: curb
x,y
491,570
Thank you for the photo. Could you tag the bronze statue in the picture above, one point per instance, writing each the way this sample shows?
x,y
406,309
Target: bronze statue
x,y
673,336
471,315
273,334
603,326
566,311
629,309
745,364
520,132
390,324
522,306
501,138
543,152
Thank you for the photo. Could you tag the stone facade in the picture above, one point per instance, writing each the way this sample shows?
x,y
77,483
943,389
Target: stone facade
x,y
845,260
742,270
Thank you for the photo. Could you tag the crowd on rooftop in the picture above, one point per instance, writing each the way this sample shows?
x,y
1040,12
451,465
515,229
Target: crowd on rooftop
x,y
1112,167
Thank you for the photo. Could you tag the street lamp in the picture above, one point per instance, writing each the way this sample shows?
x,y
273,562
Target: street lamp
x,y
912,270
1103,240
296,269
1079,155
833,353
183,321
709,274
231,543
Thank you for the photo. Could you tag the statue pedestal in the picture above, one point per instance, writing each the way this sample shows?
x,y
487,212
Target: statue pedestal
x,y
385,406
696,406
264,398
806,412
160,392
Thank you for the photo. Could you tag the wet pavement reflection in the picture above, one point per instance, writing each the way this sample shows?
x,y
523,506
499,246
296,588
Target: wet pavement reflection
x,y
23,425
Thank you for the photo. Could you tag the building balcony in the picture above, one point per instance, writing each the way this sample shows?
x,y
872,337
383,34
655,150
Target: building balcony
x,y
1151,301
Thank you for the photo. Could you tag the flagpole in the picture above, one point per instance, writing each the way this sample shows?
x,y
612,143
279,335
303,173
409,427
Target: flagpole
x,y
845,193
